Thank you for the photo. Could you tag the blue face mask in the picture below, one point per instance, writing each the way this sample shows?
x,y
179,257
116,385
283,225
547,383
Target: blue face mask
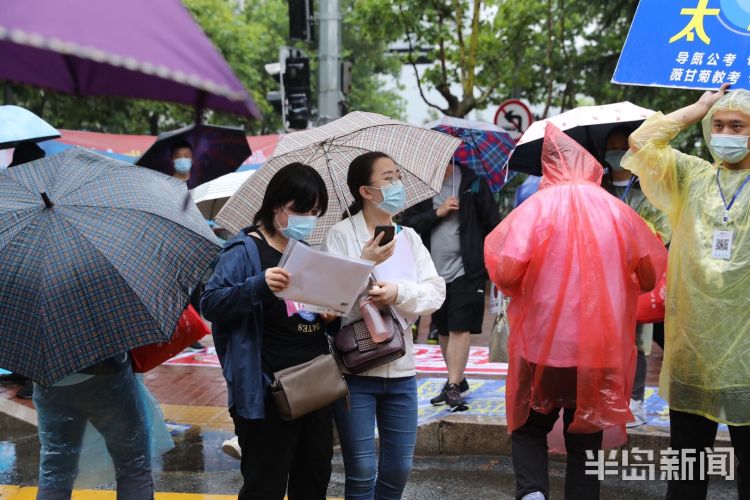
x,y
299,227
182,165
730,148
394,198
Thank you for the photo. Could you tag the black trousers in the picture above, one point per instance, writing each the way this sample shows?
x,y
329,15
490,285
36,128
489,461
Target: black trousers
x,y
276,453
694,432
529,449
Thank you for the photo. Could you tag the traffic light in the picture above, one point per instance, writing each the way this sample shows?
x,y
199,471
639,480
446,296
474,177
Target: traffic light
x,y
297,91
300,25
292,99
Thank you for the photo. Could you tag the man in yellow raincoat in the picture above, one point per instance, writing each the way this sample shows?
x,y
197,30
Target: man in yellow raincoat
x,y
706,372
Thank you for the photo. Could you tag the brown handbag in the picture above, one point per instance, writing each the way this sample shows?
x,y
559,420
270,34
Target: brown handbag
x,y
359,353
302,389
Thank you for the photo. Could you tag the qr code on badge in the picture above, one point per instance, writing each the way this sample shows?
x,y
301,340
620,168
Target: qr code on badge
x,y
722,244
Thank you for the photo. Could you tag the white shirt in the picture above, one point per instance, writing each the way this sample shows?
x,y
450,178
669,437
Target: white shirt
x,y
424,296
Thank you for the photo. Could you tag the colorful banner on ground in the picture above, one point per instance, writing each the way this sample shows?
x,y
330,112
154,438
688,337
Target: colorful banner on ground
x,y
692,44
428,360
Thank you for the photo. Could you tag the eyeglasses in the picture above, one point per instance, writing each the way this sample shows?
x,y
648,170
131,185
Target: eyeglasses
x,y
392,179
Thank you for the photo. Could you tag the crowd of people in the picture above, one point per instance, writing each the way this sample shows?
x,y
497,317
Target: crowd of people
x,y
573,259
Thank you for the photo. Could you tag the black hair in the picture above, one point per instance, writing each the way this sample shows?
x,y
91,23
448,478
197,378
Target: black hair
x,y
620,129
295,182
359,174
26,152
179,144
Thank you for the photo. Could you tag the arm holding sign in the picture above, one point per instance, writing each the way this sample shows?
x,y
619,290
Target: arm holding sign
x,y
662,170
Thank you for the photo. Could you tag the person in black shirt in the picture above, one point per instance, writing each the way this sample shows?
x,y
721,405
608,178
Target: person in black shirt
x,y
257,334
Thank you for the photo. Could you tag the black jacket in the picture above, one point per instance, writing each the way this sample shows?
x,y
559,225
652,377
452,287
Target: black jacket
x,y
478,214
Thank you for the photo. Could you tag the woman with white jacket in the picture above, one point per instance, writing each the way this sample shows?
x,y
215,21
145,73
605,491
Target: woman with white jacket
x,y
388,392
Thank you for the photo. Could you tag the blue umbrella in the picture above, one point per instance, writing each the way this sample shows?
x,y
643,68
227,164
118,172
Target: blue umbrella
x,y
97,257
21,125
529,187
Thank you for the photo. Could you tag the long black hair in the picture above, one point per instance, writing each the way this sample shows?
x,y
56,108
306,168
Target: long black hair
x,y
295,182
359,174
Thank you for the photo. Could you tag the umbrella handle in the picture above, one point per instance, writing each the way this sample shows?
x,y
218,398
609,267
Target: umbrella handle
x,y
47,202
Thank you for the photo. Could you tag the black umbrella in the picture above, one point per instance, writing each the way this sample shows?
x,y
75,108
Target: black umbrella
x,y
216,151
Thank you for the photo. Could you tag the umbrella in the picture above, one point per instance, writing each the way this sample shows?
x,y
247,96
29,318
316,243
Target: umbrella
x,y
21,125
97,257
422,155
138,48
485,147
211,196
216,151
587,125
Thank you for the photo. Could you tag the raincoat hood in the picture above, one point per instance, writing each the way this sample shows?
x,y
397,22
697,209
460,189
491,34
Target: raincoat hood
x,y
564,160
736,100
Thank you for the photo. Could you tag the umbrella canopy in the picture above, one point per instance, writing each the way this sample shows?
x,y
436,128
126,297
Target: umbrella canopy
x,y
422,155
485,147
216,151
211,196
18,124
138,48
587,125
96,257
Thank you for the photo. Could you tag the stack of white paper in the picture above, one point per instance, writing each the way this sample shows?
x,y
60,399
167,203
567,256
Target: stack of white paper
x,y
323,282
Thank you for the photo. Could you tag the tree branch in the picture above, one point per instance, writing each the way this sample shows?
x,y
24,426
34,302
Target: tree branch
x,y
473,47
550,81
414,63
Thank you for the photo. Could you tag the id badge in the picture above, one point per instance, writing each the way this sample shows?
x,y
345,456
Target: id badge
x,y
722,244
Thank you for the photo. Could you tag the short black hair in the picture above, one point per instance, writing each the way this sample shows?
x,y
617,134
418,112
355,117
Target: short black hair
x,y
295,182
179,144
26,152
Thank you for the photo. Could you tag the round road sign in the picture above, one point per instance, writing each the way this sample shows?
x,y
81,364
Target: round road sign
x,y
514,116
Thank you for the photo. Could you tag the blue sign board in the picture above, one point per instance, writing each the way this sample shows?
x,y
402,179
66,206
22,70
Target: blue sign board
x,y
691,44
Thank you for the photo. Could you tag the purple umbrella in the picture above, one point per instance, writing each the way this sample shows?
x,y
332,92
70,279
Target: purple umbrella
x,y
150,49
216,151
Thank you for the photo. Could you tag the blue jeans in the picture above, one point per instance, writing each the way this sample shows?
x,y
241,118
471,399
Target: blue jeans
x,y
393,401
112,405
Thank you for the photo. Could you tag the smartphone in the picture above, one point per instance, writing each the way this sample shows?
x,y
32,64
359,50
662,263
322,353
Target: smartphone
x,y
390,232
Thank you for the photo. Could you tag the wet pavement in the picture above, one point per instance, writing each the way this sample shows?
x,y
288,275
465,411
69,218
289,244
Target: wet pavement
x,y
197,465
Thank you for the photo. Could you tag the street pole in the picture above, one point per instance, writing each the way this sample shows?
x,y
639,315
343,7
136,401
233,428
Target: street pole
x,y
329,86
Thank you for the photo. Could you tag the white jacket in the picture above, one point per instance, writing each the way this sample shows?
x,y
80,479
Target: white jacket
x,y
414,299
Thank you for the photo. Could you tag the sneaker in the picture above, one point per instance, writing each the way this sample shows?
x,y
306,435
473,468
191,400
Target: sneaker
x,y
12,379
453,396
27,391
432,337
232,448
537,495
639,412
463,386
195,347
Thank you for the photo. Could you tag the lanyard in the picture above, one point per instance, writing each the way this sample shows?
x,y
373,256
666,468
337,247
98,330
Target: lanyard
x,y
725,220
624,196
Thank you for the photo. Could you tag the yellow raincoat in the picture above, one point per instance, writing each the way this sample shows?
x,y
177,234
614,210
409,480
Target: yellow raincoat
x,y
706,367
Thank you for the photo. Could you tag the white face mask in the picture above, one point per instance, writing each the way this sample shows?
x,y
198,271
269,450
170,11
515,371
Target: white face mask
x,y
729,147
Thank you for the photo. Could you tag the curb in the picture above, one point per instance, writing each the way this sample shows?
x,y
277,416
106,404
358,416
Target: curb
x,y
480,435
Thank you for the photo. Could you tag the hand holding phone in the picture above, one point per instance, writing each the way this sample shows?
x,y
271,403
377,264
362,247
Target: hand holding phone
x,y
390,233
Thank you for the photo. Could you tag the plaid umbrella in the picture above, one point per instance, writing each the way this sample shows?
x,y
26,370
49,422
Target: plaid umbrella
x,y
96,257
422,155
485,148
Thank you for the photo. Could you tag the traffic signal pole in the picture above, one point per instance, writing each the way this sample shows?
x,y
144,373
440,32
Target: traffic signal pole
x,y
329,85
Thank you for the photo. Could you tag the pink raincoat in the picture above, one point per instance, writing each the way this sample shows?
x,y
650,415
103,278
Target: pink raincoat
x,y
568,258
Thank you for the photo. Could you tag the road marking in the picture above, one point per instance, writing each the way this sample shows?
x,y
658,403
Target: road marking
x,y
9,492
